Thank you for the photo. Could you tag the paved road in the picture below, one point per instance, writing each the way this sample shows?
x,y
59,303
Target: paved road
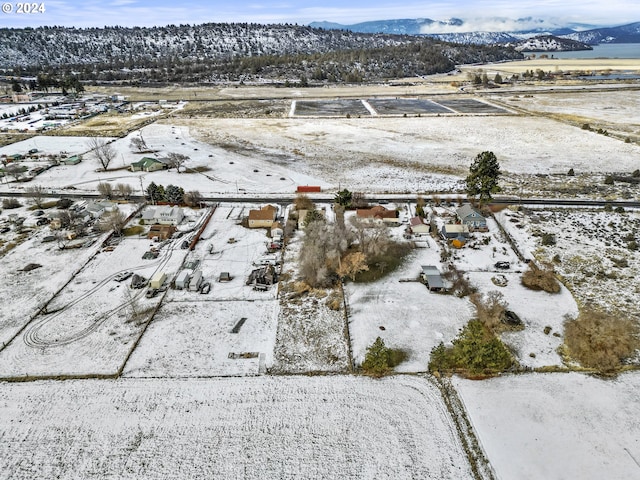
x,y
384,198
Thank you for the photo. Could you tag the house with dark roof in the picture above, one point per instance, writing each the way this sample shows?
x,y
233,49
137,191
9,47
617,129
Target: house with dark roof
x,y
472,218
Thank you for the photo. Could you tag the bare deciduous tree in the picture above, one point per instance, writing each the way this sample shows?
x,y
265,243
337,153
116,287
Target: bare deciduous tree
x,y
352,264
102,150
192,198
36,194
176,160
138,144
115,220
15,170
105,189
124,190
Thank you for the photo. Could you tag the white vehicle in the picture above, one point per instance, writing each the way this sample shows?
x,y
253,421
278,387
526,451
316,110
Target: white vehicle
x,y
122,276
196,281
267,260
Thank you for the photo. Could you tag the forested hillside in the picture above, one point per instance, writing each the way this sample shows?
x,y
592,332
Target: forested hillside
x,y
230,52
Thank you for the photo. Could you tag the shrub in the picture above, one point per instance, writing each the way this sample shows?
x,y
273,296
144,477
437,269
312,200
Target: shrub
x,y
571,173
476,351
489,308
608,180
537,278
548,239
9,203
601,340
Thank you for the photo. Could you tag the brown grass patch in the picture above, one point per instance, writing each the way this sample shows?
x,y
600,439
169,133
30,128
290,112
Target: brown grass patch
x,y
601,340
537,278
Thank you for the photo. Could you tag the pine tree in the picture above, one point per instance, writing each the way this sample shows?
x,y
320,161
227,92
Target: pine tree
x,y
376,361
483,177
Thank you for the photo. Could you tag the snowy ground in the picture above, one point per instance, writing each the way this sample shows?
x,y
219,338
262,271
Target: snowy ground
x,y
191,334
251,428
557,426
414,319
591,252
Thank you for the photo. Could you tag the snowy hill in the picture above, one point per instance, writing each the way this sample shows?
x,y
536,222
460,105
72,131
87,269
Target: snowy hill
x,y
549,43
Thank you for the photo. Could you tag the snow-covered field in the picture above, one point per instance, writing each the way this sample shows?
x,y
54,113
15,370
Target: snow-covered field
x,y
557,426
251,428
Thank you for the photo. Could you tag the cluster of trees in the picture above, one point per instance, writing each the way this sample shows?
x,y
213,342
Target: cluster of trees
x,y
172,194
334,251
45,81
109,191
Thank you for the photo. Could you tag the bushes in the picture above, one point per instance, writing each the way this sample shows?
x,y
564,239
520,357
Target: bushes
x,y
476,351
9,203
541,279
380,359
600,340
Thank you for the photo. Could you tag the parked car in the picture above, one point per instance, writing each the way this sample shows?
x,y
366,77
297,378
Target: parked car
x,y
206,288
185,245
38,213
152,292
502,265
5,229
122,276
43,221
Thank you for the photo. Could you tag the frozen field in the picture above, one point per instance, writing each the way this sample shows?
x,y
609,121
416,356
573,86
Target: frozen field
x,y
557,426
268,427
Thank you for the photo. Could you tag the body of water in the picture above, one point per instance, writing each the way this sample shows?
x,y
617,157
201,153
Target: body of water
x,y
607,50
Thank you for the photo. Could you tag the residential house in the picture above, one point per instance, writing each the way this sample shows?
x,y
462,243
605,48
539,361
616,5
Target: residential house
x,y
378,214
451,231
472,218
165,215
148,164
169,215
418,227
96,209
432,279
263,218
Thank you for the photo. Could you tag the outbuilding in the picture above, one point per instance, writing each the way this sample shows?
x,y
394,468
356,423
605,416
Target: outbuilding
x,y
431,277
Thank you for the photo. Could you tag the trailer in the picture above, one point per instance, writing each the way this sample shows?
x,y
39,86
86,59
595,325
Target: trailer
x,y
196,281
157,280
182,280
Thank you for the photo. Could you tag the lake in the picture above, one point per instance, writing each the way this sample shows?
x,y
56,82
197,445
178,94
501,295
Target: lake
x,y
607,50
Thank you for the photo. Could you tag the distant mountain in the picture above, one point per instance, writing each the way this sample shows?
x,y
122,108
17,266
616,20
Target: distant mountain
x,y
623,34
549,43
406,26
496,31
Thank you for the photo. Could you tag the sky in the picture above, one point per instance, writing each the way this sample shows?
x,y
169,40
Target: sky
x,y
493,15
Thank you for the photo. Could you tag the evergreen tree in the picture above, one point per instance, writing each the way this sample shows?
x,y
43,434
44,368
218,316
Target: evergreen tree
x,y
343,198
376,361
483,177
174,194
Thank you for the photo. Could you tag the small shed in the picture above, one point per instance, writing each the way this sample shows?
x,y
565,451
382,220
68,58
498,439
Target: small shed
x,y
432,278
157,280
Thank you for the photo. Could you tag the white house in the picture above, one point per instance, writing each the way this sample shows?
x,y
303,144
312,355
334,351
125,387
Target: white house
x,y
163,215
